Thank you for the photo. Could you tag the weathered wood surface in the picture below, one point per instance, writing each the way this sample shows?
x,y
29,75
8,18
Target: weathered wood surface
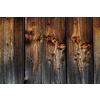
x,y
53,50
54,63
33,50
11,50
79,50
96,44
45,50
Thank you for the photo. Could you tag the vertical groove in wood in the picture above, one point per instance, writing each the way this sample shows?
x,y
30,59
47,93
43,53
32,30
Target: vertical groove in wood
x,y
79,50
96,44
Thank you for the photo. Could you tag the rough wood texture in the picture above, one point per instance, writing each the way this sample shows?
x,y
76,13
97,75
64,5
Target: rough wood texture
x,y
54,63
53,50
96,44
45,50
79,50
33,50
11,50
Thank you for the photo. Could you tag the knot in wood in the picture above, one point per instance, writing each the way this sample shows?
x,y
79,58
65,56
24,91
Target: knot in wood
x,y
47,38
84,46
54,41
76,39
61,46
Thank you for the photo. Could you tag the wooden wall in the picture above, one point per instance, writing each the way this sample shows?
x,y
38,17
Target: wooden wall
x,y
49,50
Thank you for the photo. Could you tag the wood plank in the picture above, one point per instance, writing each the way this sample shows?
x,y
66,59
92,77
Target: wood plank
x,y
33,50
11,37
79,50
96,45
54,62
18,67
43,47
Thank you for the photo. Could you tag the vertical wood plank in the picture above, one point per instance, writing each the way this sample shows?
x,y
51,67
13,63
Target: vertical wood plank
x,y
33,50
1,51
18,67
54,63
11,50
45,50
79,50
96,44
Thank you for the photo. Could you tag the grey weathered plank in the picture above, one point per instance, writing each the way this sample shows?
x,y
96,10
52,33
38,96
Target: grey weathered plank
x,y
45,58
96,45
79,50
11,50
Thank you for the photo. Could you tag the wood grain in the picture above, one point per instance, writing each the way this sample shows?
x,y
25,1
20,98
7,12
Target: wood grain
x,y
54,62
96,45
11,50
33,50
54,50
45,45
79,50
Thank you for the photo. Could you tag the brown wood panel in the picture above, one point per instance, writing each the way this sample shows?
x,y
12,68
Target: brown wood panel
x,y
11,50
96,44
33,49
79,50
18,44
45,50
54,63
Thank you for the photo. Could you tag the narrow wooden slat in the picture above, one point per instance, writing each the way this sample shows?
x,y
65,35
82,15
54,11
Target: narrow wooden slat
x,y
10,35
79,50
45,50
96,45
